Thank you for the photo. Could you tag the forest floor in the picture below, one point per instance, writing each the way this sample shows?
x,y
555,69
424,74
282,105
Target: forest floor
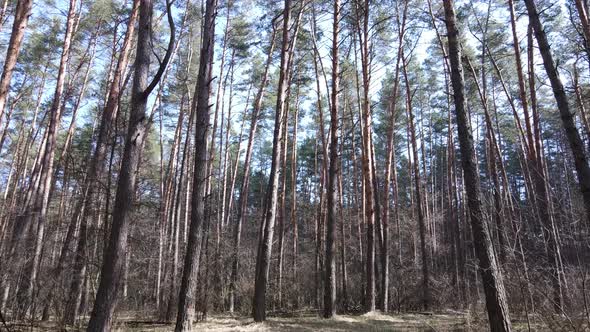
x,y
452,321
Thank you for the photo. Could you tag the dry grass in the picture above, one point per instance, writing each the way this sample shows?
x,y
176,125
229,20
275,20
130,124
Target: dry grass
x,y
310,322
301,322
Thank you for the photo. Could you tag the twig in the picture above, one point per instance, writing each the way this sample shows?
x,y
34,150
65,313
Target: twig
x,y
4,321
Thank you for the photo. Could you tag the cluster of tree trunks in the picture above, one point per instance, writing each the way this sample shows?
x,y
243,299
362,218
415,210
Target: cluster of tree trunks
x,y
188,190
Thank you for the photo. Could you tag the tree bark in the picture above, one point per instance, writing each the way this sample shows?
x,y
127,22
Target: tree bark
x,y
422,221
113,265
294,200
94,172
493,284
362,17
390,165
494,159
21,20
186,299
243,198
333,173
36,214
567,117
271,199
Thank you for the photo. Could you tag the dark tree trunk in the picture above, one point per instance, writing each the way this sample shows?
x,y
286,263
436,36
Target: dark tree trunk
x,y
271,199
567,117
21,19
420,200
243,198
362,29
36,213
333,173
493,284
94,172
186,298
113,266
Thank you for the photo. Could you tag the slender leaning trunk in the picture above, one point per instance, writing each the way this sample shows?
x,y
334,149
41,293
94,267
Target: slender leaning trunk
x,y
567,117
390,164
493,284
576,146
21,20
113,266
271,199
420,200
36,214
243,198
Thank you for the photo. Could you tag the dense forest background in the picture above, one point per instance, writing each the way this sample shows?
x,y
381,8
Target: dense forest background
x,y
180,159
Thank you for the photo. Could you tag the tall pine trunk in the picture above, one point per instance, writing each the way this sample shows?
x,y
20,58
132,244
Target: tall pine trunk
x,y
113,266
36,214
492,282
21,20
420,199
270,204
567,117
243,198
362,17
188,286
333,174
